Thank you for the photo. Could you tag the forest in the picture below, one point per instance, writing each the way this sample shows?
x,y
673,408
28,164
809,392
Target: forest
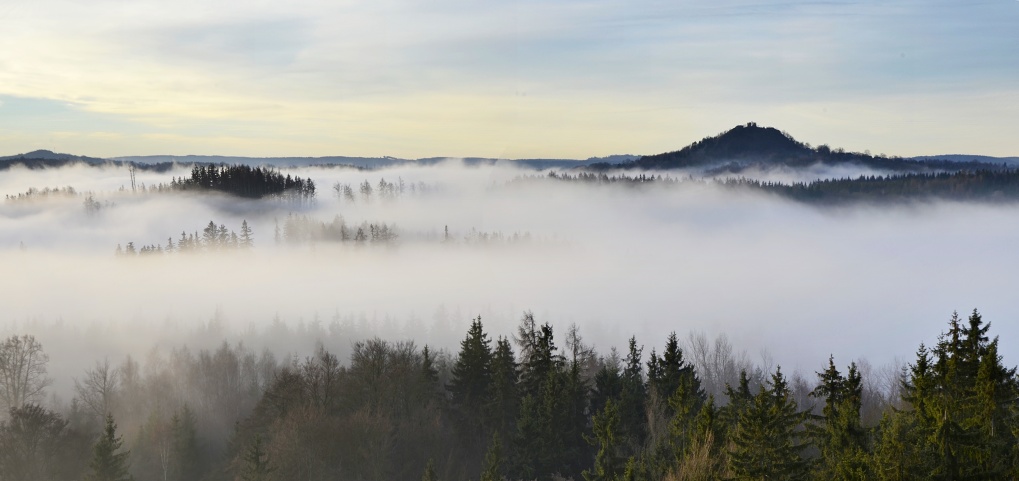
x,y
964,185
518,406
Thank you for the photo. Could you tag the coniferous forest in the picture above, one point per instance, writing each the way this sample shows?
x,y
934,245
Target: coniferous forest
x,y
519,406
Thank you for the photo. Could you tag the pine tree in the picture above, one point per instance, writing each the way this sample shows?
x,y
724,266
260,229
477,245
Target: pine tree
x,y
209,237
702,458
607,385
471,382
670,372
492,468
185,451
962,424
246,240
577,451
685,404
765,443
429,375
633,398
107,463
840,437
222,236
541,442
608,463
903,451
740,398
256,462
504,395
637,469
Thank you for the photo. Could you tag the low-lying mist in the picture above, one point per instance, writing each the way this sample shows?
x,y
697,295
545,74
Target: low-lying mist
x,y
800,282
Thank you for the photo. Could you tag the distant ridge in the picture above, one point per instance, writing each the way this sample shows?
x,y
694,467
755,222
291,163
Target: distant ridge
x,y
751,146
45,158
736,150
369,162
986,159
50,155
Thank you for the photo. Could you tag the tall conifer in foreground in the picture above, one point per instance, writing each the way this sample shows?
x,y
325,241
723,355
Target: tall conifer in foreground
x,y
107,463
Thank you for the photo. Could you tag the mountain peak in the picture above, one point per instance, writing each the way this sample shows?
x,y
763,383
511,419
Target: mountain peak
x,y
743,143
751,138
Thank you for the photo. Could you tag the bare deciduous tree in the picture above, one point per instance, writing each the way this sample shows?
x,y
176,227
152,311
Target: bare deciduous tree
x,y
98,390
22,371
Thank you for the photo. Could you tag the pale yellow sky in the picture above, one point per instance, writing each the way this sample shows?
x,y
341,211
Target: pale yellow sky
x,y
569,79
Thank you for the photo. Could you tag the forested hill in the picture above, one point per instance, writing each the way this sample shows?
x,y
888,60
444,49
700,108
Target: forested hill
x,y
39,159
751,146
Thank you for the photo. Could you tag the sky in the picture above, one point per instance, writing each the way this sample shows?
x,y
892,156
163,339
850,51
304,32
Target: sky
x,y
510,79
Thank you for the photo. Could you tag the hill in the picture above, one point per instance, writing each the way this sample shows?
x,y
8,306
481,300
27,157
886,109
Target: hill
x,y
751,146
45,158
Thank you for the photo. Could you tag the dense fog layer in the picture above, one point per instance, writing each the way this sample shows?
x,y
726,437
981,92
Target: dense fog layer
x,y
797,281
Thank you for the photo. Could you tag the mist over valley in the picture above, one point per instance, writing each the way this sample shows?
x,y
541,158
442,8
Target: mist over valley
x,y
142,287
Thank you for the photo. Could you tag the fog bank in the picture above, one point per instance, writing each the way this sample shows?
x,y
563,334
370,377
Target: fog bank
x,y
801,282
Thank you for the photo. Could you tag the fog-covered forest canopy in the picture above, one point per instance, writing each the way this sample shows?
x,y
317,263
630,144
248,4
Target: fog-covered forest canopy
x,y
517,405
730,314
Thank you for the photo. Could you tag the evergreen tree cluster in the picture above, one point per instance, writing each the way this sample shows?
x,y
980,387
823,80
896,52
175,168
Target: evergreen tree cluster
x,y
302,229
212,238
966,185
246,181
524,407
366,191
990,185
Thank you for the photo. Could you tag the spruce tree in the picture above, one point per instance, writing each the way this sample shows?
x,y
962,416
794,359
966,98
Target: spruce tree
x,y
962,422
186,455
256,465
632,399
541,443
492,468
839,435
607,385
471,382
539,358
766,442
608,463
107,463
740,398
504,398
429,374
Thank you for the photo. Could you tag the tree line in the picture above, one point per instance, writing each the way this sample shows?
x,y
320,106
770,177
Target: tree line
x,y
212,238
519,407
964,185
246,181
384,190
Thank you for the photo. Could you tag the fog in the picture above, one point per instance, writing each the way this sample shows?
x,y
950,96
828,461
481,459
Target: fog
x,y
797,281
